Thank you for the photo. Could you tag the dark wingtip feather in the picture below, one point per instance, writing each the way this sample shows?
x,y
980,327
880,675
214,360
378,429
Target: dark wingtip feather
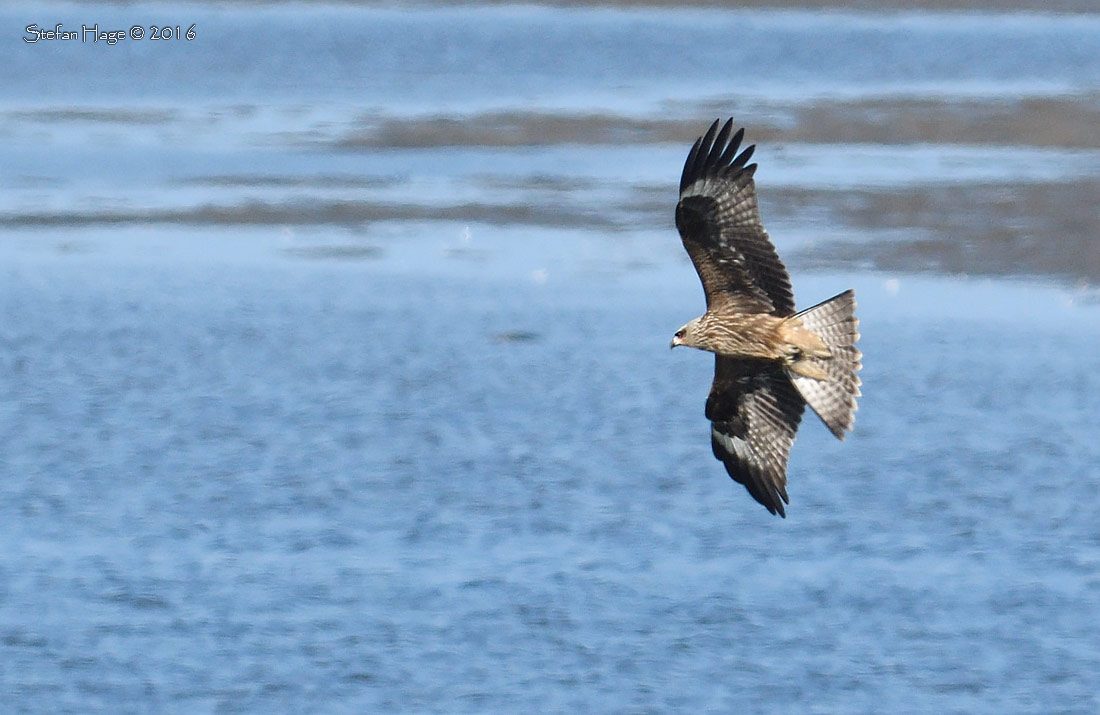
x,y
743,157
731,148
685,176
763,494
756,484
720,143
706,143
782,493
716,152
776,506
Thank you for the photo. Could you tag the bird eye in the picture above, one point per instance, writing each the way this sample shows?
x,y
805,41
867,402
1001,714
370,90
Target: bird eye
x,y
680,334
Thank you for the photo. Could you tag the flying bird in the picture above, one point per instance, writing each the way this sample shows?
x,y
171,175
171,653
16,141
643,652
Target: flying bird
x,y
769,361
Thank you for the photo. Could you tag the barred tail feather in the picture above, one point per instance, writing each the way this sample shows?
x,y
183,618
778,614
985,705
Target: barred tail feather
x,y
834,399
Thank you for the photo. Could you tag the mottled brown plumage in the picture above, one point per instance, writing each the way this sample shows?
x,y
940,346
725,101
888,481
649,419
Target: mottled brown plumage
x,y
769,360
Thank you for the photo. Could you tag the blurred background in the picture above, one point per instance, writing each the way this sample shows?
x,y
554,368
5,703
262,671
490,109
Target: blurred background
x,y
334,378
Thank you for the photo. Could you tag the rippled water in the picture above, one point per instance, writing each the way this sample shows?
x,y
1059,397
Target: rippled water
x,y
431,58
333,372
256,482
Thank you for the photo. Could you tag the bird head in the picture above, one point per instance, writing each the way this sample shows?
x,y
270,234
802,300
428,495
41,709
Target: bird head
x,y
685,335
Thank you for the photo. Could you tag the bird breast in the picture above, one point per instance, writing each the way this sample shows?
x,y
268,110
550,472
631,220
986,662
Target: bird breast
x,y
759,335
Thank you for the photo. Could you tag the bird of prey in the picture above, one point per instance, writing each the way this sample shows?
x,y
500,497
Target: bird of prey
x,y
769,361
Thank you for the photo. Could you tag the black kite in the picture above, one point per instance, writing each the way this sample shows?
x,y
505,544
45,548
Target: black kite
x,y
769,361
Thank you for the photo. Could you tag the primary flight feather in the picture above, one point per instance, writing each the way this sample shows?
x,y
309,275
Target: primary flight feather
x,y
770,362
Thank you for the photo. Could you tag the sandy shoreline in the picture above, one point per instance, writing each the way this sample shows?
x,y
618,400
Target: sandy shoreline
x,y
1045,227
1061,121
1033,229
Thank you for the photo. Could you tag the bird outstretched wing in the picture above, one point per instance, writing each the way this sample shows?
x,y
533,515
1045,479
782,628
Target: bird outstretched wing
x,y
754,411
719,223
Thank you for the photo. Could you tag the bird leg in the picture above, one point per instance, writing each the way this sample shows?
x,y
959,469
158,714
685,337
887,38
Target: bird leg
x,y
807,367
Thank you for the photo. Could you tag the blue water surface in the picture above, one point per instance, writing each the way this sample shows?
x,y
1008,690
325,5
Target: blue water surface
x,y
248,481
290,423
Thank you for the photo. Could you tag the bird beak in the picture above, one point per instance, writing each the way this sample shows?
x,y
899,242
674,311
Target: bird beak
x,y
674,343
